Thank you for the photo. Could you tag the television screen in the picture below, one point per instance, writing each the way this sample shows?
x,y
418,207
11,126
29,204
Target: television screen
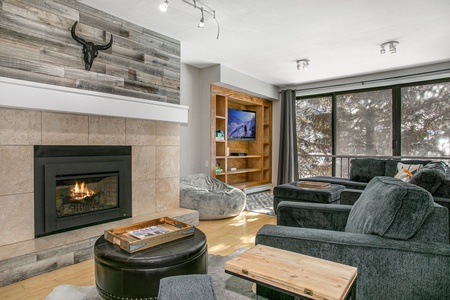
x,y
241,124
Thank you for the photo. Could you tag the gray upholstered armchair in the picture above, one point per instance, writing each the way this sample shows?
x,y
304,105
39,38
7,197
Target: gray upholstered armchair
x,y
394,234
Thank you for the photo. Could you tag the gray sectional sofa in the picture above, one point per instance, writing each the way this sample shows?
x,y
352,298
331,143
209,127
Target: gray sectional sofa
x,y
431,177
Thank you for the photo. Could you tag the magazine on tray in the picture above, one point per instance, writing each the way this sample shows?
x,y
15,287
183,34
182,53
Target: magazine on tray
x,y
147,232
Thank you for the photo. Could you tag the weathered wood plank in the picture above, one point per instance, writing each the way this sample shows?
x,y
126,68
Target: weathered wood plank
x,y
141,86
49,6
171,74
146,49
151,41
93,77
35,77
129,64
94,86
171,83
167,65
36,45
42,11
137,94
145,77
37,29
31,66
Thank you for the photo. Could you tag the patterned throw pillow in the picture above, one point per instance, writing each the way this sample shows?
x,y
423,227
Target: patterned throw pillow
x,y
406,172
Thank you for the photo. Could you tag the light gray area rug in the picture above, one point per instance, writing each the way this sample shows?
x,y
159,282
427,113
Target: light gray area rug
x,y
225,285
260,203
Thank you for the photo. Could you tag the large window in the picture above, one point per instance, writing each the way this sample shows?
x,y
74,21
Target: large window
x,y
364,123
426,120
314,136
404,120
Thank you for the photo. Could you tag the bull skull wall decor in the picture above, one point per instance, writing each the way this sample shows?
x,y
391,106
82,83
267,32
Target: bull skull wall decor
x,y
90,50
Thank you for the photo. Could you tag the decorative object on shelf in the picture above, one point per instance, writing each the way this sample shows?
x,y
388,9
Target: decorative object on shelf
x,y
197,5
303,64
90,50
218,169
220,135
392,46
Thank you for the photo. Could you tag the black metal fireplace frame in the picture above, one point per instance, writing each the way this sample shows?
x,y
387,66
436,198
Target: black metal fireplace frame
x,y
52,161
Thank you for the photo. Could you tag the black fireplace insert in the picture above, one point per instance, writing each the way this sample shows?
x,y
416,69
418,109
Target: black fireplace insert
x,y
76,186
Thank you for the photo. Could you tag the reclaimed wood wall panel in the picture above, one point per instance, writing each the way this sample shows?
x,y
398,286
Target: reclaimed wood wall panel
x,y
36,45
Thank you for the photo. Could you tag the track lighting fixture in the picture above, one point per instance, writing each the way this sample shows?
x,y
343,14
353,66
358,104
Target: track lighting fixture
x,y
392,46
197,5
164,6
303,64
201,24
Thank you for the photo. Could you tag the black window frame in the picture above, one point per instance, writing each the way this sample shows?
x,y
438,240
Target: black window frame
x,y
396,111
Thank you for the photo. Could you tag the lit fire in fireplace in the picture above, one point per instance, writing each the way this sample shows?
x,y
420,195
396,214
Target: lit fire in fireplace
x,y
81,191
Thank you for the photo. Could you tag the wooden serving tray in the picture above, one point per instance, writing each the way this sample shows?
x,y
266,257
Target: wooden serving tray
x,y
173,230
313,184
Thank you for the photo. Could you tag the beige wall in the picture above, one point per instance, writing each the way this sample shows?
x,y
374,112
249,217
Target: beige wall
x,y
155,160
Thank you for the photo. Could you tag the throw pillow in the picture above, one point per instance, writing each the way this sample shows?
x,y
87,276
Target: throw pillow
x,y
405,172
363,170
390,208
430,177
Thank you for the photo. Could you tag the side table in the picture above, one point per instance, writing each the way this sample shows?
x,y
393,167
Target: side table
x,y
123,275
295,274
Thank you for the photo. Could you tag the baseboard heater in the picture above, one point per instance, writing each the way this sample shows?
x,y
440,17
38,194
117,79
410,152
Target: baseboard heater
x,y
256,189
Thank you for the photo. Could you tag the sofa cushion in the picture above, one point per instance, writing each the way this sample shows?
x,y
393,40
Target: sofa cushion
x,y
390,208
430,177
363,170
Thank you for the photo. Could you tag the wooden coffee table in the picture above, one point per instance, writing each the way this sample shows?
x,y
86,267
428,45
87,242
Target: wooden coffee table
x,y
295,274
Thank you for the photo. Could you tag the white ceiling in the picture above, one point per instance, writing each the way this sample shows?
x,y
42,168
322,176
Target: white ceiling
x,y
265,38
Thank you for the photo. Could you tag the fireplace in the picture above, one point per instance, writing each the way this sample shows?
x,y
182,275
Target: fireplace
x,y
76,186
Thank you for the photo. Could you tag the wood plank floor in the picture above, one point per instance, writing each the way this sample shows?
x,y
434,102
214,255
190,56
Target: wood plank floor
x,y
224,237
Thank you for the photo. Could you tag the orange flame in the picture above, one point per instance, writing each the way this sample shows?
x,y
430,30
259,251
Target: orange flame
x,y
81,191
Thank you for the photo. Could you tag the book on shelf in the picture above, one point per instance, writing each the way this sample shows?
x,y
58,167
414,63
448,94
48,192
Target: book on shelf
x,y
147,232
313,184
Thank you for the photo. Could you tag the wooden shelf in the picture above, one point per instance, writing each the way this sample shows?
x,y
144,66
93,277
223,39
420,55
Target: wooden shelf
x,y
244,157
255,168
240,171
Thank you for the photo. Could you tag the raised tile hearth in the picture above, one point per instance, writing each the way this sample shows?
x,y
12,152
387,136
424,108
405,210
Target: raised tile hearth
x,y
27,259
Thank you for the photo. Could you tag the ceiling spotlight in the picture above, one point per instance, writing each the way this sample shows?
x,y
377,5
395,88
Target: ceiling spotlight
x,y
201,24
164,6
205,9
392,45
303,64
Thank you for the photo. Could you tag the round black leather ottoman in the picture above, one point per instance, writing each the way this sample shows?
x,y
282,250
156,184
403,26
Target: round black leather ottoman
x,y
123,275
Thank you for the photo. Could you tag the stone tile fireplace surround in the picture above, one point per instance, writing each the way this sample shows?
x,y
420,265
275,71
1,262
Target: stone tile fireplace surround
x,y
155,182
155,160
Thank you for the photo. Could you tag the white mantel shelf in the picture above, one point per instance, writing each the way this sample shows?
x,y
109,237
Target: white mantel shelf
x,y
38,96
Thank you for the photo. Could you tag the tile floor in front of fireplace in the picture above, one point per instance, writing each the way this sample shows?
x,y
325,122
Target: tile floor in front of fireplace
x,y
30,258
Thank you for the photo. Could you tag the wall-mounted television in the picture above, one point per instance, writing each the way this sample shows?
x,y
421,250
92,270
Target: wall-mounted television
x,y
241,124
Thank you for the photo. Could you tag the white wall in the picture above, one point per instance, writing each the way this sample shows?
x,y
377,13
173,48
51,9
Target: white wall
x,y
190,137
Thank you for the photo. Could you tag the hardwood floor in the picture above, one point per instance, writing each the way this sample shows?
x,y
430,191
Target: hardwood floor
x,y
224,237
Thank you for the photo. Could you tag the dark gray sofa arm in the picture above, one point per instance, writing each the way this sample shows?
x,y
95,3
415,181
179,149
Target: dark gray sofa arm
x,y
313,215
387,269
349,196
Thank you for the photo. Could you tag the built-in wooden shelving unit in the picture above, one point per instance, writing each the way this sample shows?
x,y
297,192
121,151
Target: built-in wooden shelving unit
x,y
256,167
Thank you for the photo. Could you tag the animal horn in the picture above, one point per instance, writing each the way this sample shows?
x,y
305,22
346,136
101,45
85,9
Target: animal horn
x,y
107,46
75,37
